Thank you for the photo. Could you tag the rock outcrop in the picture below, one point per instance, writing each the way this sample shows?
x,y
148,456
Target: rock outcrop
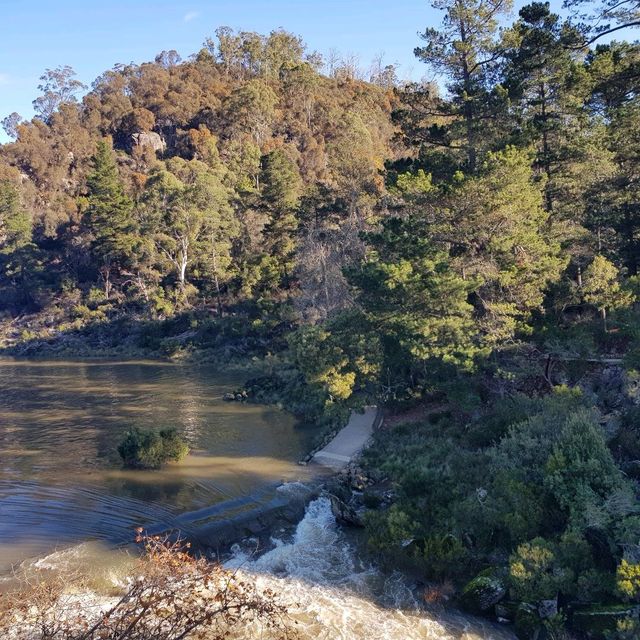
x,y
149,139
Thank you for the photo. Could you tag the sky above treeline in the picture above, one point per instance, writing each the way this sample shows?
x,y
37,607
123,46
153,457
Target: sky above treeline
x,y
92,36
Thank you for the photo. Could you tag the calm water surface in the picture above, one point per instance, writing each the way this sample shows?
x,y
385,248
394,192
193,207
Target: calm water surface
x,y
60,475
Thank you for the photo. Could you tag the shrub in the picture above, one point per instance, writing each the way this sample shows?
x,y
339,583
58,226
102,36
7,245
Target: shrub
x,y
533,572
146,449
172,595
628,580
392,528
443,555
175,448
482,593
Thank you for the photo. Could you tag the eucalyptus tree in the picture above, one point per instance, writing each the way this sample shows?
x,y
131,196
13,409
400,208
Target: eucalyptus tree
x,y
58,86
186,210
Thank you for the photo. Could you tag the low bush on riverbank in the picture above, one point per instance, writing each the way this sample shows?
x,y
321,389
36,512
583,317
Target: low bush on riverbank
x,y
172,596
146,449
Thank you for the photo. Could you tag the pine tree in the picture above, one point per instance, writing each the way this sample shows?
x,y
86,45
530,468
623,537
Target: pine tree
x,y
465,50
601,288
501,235
547,87
19,257
414,301
109,216
613,209
282,188
497,235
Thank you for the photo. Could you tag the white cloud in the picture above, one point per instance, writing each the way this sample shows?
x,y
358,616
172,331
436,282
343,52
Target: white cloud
x,y
4,79
188,17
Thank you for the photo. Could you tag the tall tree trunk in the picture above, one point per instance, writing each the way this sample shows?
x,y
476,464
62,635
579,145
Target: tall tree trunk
x,y
467,106
182,273
631,242
183,262
105,272
546,163
216,280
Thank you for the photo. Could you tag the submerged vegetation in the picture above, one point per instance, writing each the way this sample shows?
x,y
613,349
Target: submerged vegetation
x,y
148,449
467,257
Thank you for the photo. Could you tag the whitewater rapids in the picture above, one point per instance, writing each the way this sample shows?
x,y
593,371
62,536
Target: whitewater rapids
x,y
333,595
316,572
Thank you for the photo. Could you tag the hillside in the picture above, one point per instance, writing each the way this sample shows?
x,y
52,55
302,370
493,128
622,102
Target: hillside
x,y
466,255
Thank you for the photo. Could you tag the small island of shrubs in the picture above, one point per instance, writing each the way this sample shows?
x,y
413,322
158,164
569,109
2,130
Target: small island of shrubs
x,y
148,449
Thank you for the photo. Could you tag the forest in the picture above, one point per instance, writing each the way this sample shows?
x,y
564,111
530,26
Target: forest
x,y
464,251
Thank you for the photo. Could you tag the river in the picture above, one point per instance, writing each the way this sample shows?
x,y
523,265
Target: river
x,y
65,501
60,475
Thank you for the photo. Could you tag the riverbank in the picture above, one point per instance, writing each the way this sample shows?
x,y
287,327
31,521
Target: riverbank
x,y
293,546
492,505
326,469
192,336
439,496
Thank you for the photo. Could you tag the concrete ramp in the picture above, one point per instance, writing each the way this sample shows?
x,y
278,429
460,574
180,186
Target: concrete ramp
x,y
349,441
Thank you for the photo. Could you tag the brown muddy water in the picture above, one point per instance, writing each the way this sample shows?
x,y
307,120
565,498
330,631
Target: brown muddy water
x,y
61,479
65,501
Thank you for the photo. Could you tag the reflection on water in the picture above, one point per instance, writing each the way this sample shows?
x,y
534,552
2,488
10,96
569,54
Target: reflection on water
x,y
60,423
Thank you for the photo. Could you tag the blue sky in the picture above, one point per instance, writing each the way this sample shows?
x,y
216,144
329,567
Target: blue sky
x,y
92,36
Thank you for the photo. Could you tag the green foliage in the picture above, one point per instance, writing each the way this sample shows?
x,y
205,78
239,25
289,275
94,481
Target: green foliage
x,y
601,287
415,300
357,244
147,449
464,49
392,528
323,363
482,593
626,629
189,218
628,580
15,222
339,359
509,245
20,262
109,215
542,488
532,572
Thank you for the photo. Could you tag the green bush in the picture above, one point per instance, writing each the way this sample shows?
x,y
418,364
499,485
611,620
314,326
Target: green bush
x,y
538,495
146,449
482,593
534,573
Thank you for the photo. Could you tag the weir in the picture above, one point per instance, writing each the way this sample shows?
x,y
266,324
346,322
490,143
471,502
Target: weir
x,y
219,526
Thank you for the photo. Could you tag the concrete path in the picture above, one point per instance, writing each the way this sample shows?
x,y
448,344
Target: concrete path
x,y
349,441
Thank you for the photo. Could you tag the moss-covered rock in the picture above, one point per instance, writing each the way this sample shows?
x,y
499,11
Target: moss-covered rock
x,y
483,593
596,621
528,625
506,610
